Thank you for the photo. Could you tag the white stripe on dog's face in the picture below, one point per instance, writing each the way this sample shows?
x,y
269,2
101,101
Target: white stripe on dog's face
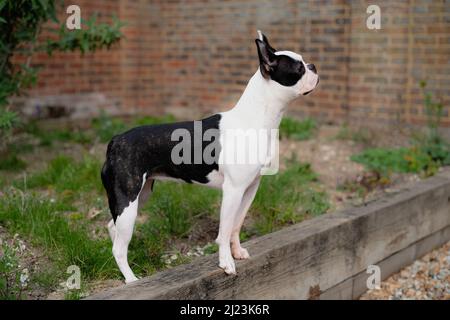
x,y
291,54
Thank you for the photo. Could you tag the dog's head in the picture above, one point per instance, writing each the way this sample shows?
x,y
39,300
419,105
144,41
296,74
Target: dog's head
x,y
286,69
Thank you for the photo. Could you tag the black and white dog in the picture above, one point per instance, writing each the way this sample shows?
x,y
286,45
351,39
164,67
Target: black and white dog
x,y
136,158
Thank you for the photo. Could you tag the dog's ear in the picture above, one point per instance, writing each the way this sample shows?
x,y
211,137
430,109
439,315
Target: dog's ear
x,y
267,59
264,39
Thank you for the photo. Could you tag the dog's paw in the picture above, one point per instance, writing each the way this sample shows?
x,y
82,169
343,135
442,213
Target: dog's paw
x,y
240,253
228,265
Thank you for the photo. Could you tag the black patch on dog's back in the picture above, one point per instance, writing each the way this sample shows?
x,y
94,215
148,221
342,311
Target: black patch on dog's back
x,y
147,150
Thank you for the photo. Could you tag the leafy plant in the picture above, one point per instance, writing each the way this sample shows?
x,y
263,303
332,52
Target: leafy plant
x,y
94,37
433,143
402,160
384,160
8,121
21,23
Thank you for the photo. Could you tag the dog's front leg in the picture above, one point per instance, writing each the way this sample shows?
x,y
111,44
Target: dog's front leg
x,y
236,249
231,200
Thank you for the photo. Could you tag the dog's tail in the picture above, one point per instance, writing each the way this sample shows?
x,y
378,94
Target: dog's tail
x,y
107,175
108,182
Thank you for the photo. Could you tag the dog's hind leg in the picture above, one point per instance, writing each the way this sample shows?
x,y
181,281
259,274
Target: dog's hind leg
x,y
123,233
236,249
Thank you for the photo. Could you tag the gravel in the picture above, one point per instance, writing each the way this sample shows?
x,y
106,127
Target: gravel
x,y
426,279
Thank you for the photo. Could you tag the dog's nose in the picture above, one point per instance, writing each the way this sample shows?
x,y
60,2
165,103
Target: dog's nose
x,y
312,68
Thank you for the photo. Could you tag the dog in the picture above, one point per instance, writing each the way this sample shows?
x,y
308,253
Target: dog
x,y
138,157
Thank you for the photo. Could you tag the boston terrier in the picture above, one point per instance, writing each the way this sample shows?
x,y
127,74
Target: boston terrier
x,y
138,157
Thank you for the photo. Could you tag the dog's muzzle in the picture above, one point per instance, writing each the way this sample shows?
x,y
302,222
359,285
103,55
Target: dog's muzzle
x,y
306,93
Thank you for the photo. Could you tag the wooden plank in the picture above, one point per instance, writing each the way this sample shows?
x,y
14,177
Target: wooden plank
x,y
317,254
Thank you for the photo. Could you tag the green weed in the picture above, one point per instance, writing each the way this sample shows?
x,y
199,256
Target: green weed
x,y
298,130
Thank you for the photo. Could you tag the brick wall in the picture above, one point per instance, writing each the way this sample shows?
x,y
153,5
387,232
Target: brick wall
x,y
386,66
199,54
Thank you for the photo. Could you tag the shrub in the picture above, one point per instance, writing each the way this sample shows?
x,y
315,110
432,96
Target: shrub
x,y
21,24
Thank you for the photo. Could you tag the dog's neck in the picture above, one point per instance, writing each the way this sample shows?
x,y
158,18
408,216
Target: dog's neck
x,y
262,103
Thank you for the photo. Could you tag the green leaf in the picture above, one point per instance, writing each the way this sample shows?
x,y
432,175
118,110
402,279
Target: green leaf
x,y
2,4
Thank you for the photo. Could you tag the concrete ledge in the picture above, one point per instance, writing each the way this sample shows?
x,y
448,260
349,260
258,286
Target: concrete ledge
x,y
323,258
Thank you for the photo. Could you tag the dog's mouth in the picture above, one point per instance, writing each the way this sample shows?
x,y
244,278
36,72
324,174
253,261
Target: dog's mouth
x,y
308,92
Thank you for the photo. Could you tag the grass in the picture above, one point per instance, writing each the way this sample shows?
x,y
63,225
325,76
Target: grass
x,y
172,212
287,198
50,207
66,242
48,137
65,175
179,204
298,130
